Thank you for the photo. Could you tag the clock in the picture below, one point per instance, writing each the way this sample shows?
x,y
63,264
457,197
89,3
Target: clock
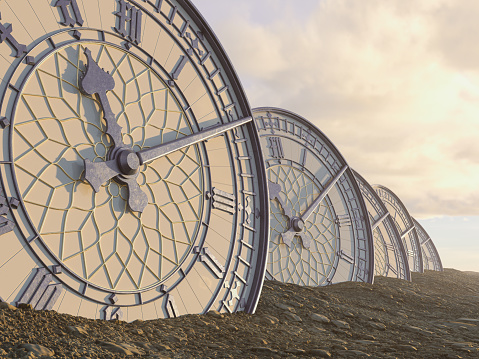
x,y
320,230
131,170
390,259
405,226
430,255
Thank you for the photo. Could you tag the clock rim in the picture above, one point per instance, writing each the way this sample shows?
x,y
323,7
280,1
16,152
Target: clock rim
x,y
241,102
369,236
381,204
435,253
406,213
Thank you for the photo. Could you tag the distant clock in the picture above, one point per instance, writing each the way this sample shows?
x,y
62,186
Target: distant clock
x,y
430,255
405,227
320,230
131,169
390,259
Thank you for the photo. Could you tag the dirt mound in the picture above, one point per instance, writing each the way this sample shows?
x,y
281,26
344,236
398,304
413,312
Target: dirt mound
x,y
435,316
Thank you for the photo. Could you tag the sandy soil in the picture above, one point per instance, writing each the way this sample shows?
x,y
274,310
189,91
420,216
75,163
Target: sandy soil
x,y
435,316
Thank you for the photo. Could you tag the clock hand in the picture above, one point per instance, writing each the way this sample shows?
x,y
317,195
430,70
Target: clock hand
x,y
274,190
297,223
124,163
127,163
155,152
99,82
309,211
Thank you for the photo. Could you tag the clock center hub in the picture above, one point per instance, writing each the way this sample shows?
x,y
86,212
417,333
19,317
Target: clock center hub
x,y
297,224
128,162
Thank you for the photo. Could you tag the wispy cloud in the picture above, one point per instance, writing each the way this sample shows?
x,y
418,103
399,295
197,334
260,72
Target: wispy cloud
x,y
395,85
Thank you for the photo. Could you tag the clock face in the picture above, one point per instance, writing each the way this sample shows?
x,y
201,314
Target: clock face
x,y
430,255
405,226
390,259
320,231
132,176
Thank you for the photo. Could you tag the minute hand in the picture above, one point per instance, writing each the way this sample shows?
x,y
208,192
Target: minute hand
x,y
309,211
155,152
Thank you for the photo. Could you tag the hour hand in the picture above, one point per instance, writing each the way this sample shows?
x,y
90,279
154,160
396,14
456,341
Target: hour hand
x,y
98,81
274,190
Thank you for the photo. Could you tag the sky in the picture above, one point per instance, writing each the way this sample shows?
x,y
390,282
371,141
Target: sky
x,y
393,84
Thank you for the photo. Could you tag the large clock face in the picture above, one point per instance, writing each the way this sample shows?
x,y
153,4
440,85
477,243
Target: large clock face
x,y
430,255
405,226
320,231
131,168
390,259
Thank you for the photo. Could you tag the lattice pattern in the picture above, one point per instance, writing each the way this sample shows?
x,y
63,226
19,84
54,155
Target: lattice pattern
x,y
295,264
94,234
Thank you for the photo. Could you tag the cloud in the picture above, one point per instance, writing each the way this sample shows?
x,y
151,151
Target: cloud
x,y
394,85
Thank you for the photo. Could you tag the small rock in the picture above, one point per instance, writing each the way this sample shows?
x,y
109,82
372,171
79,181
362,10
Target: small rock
x,y
146,346
215,314
320,353
352,353
378,326
293,317
175,338
25,306
231,327
341,324
323,302
268,319
37,349
162,347
213,346
469,320
121,348
348,314
403,347
137,331
77,331
316,330
263,350
260,341
295,351
367,342
319,318
5,305
293,330
417,330
285,307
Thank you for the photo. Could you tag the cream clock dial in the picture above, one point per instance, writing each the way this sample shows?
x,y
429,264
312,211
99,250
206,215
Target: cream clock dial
x,y
430,255
390,259
405,226
320,231
132,180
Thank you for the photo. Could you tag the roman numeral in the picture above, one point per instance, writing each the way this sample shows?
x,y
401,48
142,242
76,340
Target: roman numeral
x,y
346,257
276,147
6,34
170,307
129,15
67,19
211,262
6,225
223,200
40,293
112,313
179,67
304,153
343,220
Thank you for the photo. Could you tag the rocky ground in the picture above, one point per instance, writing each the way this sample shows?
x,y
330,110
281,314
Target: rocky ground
x,y
435,316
